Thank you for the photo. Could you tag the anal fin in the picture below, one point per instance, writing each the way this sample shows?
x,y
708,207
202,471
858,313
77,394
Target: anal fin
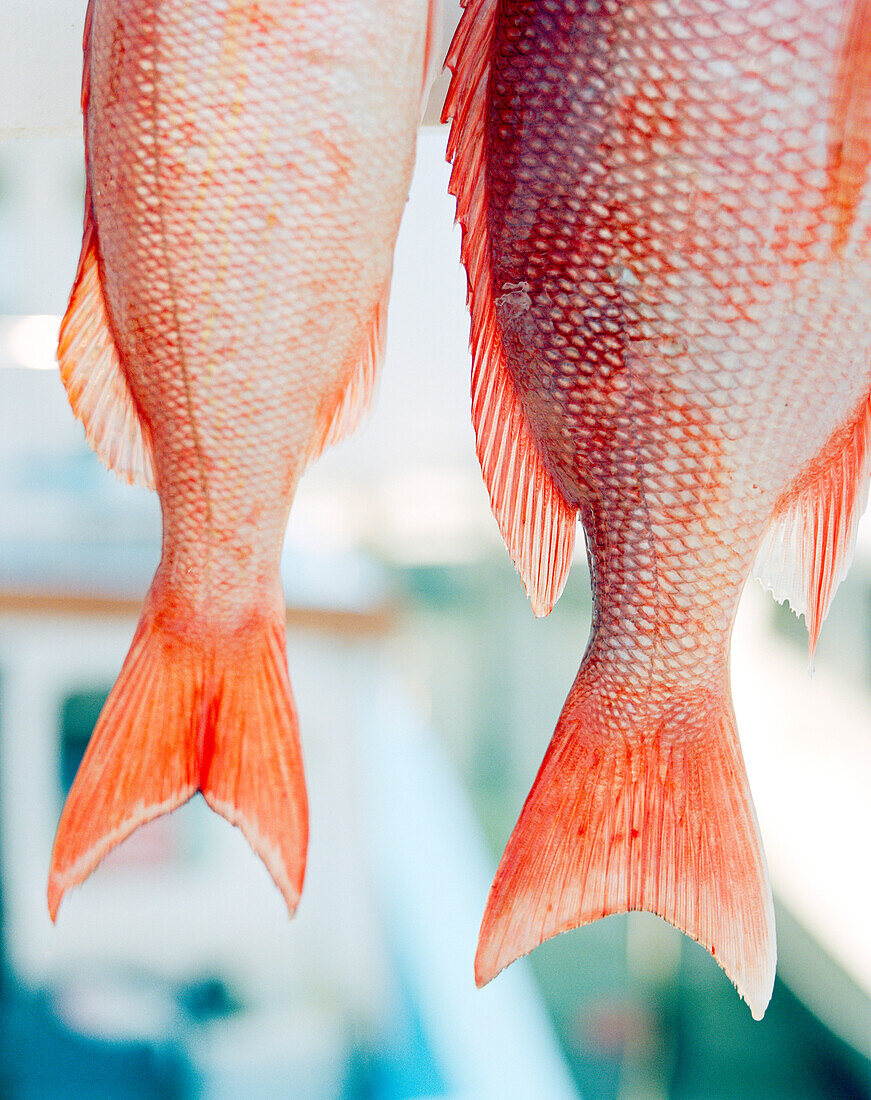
x,y
353,402
807,549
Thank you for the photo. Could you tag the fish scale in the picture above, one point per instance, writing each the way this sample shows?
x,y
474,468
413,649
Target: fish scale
x,y
667,246
247,168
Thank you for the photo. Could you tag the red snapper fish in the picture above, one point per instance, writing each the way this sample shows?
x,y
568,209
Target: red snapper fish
x,y
247,166
666,226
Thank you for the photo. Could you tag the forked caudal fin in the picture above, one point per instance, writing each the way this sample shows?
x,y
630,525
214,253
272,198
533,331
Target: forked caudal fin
x,y
184,717
658,819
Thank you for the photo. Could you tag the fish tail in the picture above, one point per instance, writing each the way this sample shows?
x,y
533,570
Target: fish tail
x,y
660,820
212,713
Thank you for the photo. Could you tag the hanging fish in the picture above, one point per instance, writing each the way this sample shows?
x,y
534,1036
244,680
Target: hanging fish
x,y
666,226
247,166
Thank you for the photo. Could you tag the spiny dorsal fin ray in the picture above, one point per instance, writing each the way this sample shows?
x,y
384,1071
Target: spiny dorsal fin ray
x,y
536,522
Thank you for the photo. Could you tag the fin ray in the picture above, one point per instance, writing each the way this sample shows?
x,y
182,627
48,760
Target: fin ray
x,y
808,547
90,365
355,400
182,718
616,821
94,378
250,747
536,522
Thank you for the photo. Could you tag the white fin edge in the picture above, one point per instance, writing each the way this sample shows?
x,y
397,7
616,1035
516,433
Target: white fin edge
x,y
807,550
95,382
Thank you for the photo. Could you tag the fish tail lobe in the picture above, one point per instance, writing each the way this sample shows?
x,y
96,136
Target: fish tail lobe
x,y
659,819
212,713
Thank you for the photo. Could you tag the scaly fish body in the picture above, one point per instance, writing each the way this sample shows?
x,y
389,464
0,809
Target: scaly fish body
x,y
248,164
666,231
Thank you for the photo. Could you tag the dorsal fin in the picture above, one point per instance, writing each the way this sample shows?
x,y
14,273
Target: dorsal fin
x,y
849,142
352,404
91,371
90,366
537,524
807,550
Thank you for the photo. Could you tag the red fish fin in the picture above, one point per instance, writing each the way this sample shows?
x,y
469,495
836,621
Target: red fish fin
x,y
849,142
214,716
93,376
352,404
252,773
89,363
622,819
807,550
536,522
538,526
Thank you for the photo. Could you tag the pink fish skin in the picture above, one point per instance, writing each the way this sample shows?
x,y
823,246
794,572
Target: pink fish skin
x,y
247,166
666,230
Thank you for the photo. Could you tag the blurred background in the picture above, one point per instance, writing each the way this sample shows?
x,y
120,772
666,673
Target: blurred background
x,y
427,694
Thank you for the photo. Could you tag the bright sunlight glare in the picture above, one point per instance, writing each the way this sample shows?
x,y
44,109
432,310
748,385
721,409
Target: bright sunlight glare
x,y
29,342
